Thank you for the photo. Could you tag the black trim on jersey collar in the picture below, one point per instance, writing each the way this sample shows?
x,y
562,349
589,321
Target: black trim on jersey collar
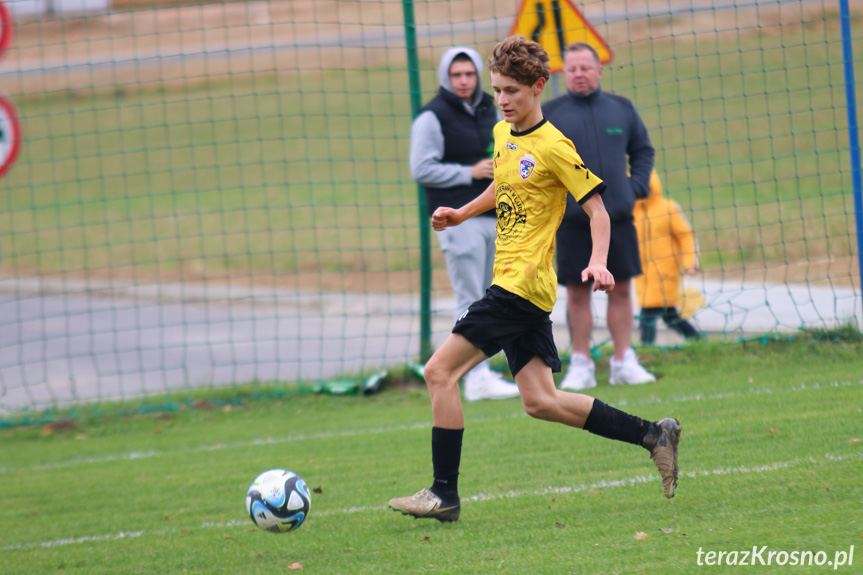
x,y
599,189
528,131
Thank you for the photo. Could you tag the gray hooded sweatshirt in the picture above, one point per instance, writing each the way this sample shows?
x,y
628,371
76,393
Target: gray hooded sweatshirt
x,y
427,141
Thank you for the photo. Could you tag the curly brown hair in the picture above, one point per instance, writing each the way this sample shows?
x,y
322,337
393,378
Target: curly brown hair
x,y
522,60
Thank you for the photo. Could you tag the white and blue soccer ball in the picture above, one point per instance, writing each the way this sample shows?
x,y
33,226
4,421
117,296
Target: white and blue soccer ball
x,y
278,501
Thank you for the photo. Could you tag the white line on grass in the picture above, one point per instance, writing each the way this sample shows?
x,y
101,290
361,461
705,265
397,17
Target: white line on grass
x,y
478,498
215,447
697,397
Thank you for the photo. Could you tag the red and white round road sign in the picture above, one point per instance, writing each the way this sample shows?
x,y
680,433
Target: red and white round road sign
x,y
5,27
10,135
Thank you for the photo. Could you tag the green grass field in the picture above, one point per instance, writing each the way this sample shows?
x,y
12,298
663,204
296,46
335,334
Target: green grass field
x,y
771,455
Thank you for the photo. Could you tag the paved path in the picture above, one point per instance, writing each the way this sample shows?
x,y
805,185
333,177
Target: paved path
x,y
82,341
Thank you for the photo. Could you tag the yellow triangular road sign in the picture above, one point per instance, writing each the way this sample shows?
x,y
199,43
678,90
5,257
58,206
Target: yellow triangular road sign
x,y
554,24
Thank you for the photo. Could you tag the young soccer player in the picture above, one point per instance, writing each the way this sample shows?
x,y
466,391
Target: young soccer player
x,y
534,168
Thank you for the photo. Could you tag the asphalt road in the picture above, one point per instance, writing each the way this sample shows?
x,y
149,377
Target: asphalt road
x,y
61,343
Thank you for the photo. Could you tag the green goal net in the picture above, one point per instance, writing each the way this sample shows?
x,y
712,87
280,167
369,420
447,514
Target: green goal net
x,y
209,194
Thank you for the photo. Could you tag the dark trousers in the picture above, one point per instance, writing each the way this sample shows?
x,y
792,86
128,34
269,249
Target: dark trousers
x,y
647,323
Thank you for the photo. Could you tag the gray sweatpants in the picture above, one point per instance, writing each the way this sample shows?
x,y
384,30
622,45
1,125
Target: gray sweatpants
x,y
469,252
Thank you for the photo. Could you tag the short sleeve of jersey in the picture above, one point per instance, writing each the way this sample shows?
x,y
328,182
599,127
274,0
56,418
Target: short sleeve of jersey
x,y
571,171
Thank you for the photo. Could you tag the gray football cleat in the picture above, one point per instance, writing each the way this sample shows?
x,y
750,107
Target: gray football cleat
x,y
661,441
425,504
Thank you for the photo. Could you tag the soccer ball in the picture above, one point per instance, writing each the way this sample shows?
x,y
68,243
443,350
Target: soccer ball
x,y
278,501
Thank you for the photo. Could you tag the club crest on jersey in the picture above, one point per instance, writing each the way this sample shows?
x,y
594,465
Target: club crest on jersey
x,y
526,166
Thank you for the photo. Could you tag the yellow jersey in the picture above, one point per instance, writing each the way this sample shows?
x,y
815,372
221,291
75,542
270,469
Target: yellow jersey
x,y
533,171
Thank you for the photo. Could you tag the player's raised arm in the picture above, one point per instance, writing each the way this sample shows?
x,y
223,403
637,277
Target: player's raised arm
x,y
600,233
443,217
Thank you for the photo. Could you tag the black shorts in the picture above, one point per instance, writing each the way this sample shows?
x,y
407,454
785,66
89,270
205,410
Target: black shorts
x,y
504,321
574,246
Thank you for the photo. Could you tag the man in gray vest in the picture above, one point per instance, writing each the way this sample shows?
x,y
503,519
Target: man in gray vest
x,y
450,156
611,138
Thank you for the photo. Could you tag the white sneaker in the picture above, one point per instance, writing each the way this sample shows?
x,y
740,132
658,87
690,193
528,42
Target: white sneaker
x,y
581,373
629,371
483,383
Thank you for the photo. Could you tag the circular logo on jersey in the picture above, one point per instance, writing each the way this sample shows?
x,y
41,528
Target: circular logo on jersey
x,y
511,215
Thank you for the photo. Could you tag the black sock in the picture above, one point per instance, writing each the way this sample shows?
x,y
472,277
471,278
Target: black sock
x,y
612,423
446,457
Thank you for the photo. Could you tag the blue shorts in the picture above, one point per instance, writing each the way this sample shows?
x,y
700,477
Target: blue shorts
x,y
504,321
